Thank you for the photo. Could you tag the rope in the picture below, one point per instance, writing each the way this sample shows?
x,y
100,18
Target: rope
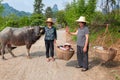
x,y
106,35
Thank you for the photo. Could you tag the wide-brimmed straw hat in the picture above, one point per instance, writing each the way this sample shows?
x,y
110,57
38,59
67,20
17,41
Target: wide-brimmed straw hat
x,y
49,20
82,19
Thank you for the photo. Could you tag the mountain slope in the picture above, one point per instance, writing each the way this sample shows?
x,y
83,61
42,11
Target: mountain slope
x,y
55,8
10,10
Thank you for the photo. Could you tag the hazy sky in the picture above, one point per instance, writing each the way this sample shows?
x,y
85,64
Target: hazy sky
x,y
27,5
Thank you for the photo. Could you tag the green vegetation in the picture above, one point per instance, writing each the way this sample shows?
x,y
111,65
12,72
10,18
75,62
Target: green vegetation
x,y
97,20
117,77
14,18
79,8
38,6
37,19
48,12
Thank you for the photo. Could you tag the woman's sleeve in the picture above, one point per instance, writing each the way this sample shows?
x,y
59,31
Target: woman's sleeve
x,y
43,30
55,33
87,30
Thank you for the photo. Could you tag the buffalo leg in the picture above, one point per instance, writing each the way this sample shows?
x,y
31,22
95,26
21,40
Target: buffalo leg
x,y
0,51
3,51
10,50
28,51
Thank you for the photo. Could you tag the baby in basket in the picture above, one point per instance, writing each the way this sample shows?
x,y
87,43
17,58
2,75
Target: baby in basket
x,y
67,46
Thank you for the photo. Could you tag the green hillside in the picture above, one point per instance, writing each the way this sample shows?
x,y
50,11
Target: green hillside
x,y
8,10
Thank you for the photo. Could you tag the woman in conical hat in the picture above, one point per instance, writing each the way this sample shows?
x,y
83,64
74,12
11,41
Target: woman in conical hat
x,y
82,43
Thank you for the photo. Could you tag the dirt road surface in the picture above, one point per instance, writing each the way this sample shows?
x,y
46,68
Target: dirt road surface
x,y
37,68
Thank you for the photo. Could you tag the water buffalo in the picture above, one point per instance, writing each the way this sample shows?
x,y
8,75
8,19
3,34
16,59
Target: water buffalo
x,y
18,37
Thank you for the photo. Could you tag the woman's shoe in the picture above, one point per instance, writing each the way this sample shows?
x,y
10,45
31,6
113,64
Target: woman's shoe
x,y
48,60
84,69
53,59
78,66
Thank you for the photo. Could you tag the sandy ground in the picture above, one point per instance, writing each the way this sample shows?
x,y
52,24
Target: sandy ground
x,y
37,68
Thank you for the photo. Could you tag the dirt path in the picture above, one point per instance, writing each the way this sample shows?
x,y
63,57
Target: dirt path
x,y
21,68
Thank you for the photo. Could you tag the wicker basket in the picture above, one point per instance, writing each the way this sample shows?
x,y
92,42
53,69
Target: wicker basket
x,y
65,55
106,55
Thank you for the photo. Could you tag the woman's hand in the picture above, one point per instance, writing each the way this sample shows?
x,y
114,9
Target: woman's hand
x,y
86,43
55,41
84,49
71,33
67,29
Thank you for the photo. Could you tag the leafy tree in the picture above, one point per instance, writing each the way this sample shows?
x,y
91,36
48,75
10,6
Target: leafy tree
x,y
2,23
71,13
108,5
1,7
61,17
90,10
1,18
24,21
111,12
12,21
79,8
48,12
37,19
38,6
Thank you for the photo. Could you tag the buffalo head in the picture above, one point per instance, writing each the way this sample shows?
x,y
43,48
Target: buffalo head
x,y
38,31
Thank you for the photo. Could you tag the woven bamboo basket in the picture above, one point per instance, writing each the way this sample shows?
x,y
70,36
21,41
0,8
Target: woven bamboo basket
x,y
106,55
65,55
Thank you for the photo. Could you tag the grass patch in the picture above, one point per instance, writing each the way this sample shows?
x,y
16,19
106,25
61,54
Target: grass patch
x,y
113,31
117,77
74,38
